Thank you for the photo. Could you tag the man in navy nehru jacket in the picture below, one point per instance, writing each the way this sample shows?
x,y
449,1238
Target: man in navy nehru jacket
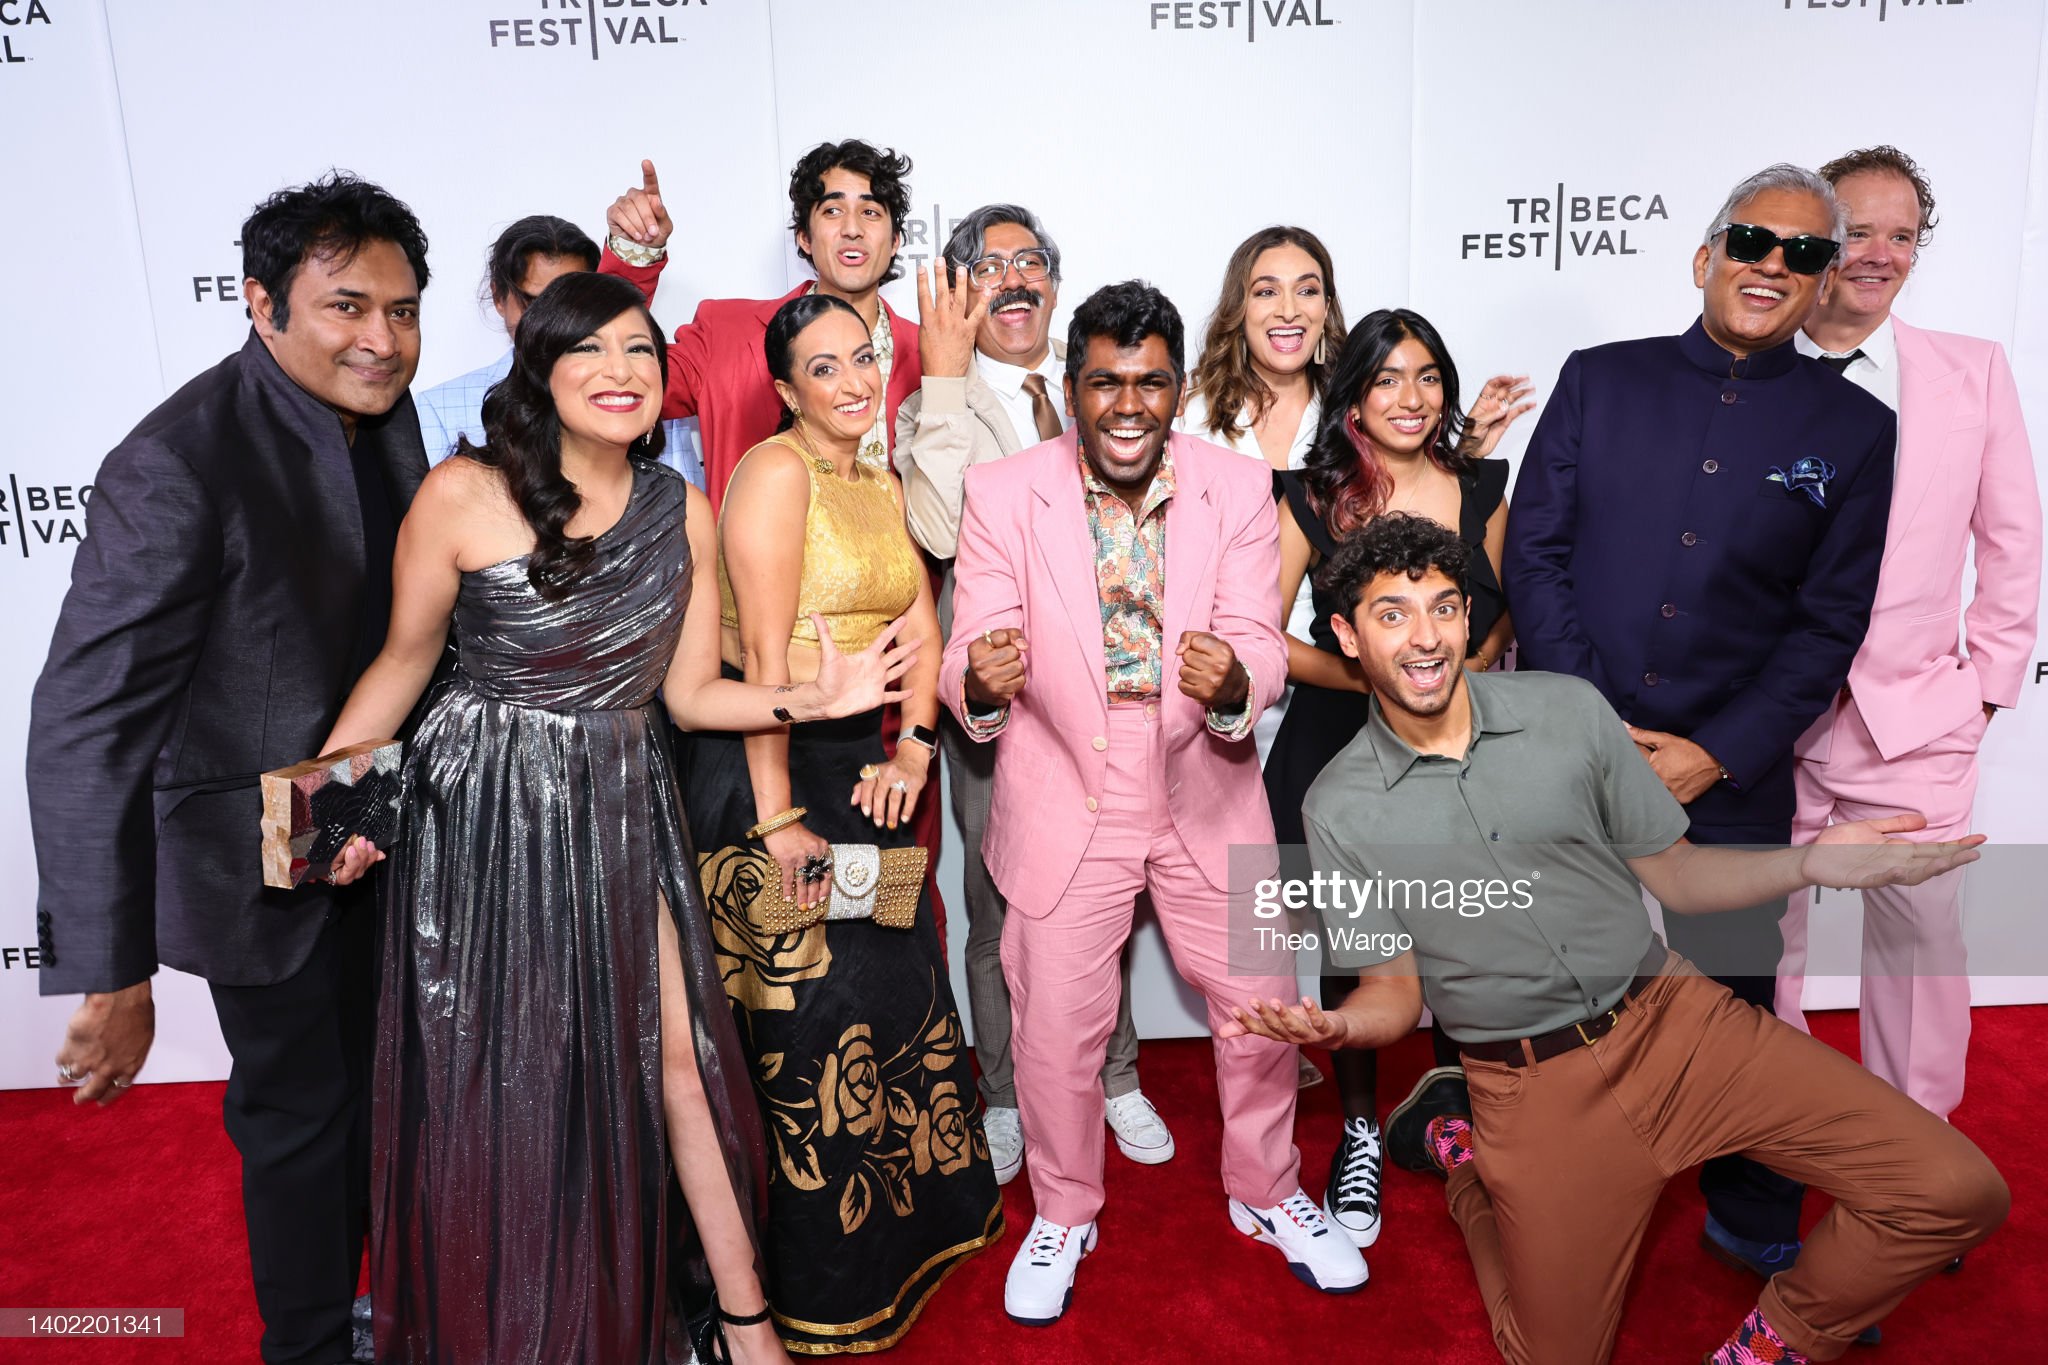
x,y
1696,531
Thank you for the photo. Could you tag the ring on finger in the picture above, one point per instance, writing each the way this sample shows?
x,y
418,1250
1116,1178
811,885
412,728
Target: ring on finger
x,y
899,785
69,1076
122,1085
869,771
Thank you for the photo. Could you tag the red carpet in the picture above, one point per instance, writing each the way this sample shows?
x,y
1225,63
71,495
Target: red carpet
x,y
139,1208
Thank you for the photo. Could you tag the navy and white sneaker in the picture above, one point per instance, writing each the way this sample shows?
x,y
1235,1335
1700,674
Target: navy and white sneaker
x,y
1041,1281
1320,1256
1352,1200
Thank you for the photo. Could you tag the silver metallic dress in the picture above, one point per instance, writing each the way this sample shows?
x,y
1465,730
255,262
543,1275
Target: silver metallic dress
x,y
524,1209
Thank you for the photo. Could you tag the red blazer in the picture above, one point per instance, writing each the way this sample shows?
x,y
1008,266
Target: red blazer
x,y
718,372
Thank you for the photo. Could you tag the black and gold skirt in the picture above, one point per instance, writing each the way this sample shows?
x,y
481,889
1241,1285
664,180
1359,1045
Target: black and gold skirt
x,y
879,1179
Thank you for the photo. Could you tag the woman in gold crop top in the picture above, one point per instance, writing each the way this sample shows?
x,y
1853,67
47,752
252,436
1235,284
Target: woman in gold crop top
x,y
879,1179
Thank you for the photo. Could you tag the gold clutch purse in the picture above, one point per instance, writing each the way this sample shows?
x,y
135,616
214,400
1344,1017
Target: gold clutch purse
x,y
881,884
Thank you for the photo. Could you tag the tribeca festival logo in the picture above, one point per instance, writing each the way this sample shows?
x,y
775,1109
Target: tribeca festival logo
x,y
17,18
41,516
1556,227
924,238
593,25
1883,8
1249,17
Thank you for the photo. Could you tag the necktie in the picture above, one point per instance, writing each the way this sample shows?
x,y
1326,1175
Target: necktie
x,y
1042,411
1839,363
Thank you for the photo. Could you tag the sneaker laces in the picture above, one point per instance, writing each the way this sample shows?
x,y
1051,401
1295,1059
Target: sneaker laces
x,y
1305,1213
1048,1240
1358,1180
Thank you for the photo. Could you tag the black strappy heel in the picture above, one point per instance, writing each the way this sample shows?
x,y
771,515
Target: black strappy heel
x,y
707,1332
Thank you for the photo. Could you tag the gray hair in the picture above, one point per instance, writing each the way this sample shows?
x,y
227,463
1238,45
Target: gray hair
x,y
1783,176
963,248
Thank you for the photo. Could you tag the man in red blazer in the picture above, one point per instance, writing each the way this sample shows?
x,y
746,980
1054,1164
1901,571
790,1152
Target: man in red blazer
x,y
848,201
1904,733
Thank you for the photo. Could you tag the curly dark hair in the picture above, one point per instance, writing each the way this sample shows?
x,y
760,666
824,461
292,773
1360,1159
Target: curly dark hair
x,y
523,431
1889,159
790,319
1127,313
885,169
331,218
1396,542
1235,395
539,234
1347,481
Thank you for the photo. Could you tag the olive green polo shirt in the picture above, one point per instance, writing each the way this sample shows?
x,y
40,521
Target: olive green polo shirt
x,y
1507,868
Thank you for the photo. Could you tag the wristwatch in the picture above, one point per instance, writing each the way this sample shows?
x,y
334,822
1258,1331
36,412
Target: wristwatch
x,y
922,734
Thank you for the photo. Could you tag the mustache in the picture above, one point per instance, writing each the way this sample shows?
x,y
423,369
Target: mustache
x,y
1018,295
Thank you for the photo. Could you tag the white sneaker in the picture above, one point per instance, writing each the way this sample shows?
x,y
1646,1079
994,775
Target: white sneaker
x,y
1320,1255
1140,1133
1005,1131
1041,1281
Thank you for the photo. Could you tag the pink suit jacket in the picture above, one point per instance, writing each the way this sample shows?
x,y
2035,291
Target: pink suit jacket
x,y
1964,471
1026,560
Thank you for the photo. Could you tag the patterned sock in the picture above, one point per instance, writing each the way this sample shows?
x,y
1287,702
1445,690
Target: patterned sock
x,y
1756,1342
1450,1141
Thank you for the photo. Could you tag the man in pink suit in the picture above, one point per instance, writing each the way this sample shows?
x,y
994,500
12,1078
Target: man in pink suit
x,y
1117,624
1905,731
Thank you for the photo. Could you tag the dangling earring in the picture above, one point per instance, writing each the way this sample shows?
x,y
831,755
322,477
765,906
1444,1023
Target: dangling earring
x,y
1322,348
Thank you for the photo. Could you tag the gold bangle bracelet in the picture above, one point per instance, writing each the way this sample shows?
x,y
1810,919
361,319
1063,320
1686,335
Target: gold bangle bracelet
x,y
775,822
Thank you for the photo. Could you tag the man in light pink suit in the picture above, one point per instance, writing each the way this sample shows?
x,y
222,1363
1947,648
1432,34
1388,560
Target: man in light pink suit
x,y
1905,732
1116,632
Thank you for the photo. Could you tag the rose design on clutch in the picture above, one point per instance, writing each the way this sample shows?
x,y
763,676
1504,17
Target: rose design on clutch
x,y
1809,475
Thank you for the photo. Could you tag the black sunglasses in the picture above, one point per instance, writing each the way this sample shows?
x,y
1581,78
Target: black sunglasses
x,y
1805,254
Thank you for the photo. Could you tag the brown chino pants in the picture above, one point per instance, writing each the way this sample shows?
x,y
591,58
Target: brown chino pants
x,y
1571,1155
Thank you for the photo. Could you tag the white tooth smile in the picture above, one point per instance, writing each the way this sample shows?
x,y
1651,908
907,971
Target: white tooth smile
x,y
1759,292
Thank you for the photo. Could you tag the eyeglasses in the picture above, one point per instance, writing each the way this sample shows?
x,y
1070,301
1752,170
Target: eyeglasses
x,y
1031,265
1805,254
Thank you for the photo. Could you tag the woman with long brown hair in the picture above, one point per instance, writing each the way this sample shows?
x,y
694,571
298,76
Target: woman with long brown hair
x,y
1257,388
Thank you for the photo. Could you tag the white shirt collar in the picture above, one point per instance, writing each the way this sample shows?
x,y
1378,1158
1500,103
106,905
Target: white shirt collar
x,y
1008,379
1880,348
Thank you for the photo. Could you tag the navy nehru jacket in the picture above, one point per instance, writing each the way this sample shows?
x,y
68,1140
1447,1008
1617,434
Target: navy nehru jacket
x,y
1699,536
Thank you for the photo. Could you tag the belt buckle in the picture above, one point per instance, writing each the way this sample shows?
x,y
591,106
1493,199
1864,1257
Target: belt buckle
x,y
1613,1015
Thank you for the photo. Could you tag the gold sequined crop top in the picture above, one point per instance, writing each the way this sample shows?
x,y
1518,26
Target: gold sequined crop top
x,y
860,569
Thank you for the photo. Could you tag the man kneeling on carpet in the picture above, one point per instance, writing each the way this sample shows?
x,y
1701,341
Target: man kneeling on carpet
x,y
1596,1063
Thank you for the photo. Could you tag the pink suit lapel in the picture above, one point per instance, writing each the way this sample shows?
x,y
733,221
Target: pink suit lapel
x,y
1060,526
1928,388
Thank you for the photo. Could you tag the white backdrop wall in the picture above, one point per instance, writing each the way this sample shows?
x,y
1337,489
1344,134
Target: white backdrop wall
x,y
1427,143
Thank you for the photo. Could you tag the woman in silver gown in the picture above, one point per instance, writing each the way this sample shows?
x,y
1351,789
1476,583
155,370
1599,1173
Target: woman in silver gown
x,y
551,1026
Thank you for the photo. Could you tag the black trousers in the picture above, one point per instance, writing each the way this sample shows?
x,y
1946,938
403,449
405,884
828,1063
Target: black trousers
x,y
298,1111
1740,949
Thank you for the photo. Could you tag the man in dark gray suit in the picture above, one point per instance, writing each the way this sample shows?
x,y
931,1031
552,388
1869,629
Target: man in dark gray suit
x,y
234,582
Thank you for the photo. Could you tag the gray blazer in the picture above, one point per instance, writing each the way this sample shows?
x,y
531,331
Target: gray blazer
x,y
209,634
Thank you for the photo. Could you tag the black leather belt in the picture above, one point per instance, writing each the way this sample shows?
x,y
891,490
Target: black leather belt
x,y
1544,1046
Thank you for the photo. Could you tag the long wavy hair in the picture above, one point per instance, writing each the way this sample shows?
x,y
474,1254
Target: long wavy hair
x,y
1346,479
1235,395
523,432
